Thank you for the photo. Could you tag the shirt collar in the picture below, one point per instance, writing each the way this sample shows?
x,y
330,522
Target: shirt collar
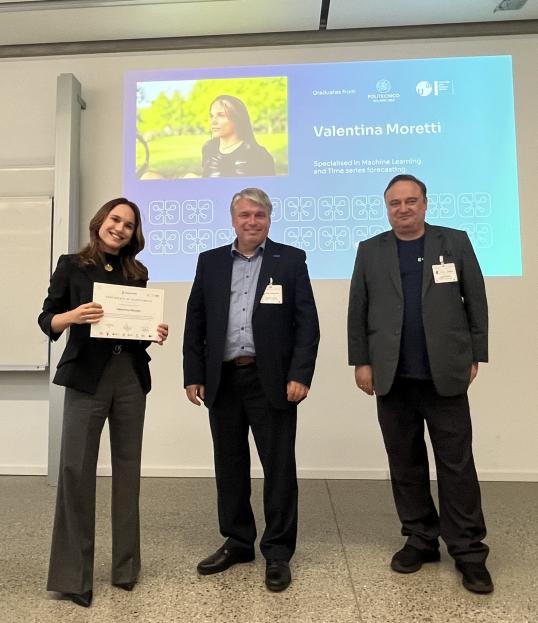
x,y
235,251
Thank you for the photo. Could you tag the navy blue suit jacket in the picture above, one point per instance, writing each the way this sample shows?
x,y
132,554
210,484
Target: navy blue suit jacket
x,y
286,336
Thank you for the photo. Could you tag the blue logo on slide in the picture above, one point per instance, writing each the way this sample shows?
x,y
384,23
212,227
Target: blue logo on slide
x,y
384,93
424,88
383,86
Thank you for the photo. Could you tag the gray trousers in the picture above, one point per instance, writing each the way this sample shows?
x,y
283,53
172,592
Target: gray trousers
x,y
119,398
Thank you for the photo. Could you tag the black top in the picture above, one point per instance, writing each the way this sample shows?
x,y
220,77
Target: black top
x,y
247,160
413,361
114,276
84,359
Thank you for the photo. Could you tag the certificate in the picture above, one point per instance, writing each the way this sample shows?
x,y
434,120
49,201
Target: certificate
x,y
130,313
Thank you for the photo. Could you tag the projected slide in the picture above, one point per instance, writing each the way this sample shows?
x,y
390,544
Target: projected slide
x,y
322,140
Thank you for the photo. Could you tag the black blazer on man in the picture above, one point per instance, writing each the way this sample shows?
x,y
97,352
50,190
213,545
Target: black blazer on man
x,y
455,315
84,359
286,336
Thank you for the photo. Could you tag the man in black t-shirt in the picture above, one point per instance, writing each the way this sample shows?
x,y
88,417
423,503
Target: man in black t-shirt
x,y
417,329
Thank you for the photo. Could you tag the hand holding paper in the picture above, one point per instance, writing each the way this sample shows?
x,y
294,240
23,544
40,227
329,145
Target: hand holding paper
x,y
130,313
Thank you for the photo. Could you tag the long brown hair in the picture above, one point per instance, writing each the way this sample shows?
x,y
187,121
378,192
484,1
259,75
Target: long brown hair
x,y
237,112
92,254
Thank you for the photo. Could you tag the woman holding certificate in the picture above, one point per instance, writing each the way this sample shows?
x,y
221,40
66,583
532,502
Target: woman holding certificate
x,y
104,378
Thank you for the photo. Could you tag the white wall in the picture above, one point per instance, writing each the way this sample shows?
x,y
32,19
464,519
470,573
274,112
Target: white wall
x,y
338,433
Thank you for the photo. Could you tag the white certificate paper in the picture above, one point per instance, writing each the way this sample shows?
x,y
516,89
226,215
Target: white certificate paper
x,y
129,313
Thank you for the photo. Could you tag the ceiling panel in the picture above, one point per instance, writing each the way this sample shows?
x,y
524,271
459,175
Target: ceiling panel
x,y
360,14
32,5
70,21
148,20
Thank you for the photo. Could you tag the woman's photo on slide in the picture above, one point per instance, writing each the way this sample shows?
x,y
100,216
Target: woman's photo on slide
x,y
212,128
233,149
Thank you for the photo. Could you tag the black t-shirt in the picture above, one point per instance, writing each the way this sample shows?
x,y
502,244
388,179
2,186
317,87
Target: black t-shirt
x,y
413,362
248,159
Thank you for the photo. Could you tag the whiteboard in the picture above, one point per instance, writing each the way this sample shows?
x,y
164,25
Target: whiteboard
x,y
25,257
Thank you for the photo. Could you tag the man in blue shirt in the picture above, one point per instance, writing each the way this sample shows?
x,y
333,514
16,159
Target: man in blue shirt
x,y
249,351
417,330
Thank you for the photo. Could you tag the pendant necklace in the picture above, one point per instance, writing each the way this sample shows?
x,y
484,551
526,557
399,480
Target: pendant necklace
x,y
108,267
229,148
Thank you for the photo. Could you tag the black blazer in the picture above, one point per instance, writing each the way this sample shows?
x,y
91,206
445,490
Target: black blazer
x,y
455,315
286,336
84,359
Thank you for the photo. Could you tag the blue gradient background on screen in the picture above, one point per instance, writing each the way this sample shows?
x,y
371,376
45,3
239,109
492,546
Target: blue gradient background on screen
x,y
469,166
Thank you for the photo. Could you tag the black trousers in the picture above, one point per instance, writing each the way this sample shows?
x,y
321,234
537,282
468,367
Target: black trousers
x,y
402,413
241,404
119,397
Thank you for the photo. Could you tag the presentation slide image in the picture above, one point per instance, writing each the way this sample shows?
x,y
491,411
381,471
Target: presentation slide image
x,y
322,140
187,129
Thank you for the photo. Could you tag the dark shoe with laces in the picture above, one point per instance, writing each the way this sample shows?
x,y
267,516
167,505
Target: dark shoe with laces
x,y
277,575
223,559
476,577
81,599
410,559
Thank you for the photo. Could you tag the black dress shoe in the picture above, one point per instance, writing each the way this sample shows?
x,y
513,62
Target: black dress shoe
x,y
410,559
476,577
81,599
223,559
126,586
277,575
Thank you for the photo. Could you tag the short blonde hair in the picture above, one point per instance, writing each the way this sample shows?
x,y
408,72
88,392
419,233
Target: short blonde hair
x,y
256,195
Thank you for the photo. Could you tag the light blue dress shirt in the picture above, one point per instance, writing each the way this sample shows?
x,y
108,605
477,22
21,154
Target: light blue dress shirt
x,y
245,273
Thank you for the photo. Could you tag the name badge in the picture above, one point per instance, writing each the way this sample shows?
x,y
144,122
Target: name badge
x,y
272,294
444,273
